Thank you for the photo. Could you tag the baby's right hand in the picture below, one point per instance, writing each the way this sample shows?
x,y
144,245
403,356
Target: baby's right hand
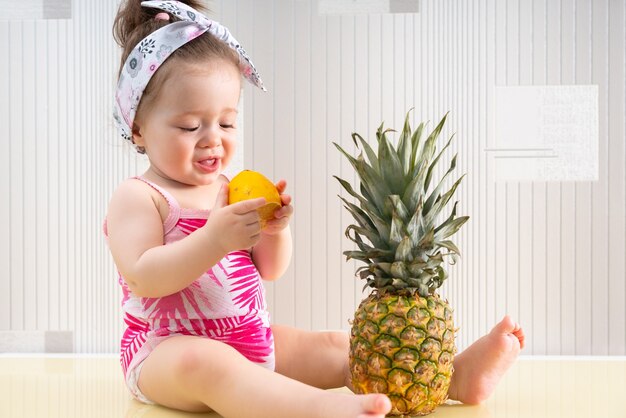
x,y
235,226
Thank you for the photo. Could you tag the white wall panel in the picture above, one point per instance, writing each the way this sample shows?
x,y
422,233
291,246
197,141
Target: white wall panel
x,y
615,59
320,279
552,254
62,159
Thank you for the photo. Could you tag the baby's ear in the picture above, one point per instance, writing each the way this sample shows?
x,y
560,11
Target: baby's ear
x,y
137,136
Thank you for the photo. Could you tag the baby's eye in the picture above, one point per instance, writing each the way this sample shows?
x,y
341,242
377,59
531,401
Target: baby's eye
x,y
226,126
189,129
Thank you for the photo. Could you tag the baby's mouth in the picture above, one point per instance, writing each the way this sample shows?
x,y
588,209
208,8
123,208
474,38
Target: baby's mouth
x,y
210,165
210,162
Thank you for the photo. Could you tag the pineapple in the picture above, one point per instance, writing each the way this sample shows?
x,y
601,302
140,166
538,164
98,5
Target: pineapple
x,y
402,337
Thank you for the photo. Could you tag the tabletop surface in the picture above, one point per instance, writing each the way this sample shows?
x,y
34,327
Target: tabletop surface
x,y
546,387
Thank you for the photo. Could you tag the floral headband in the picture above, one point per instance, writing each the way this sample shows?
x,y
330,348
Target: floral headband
x,y
154,49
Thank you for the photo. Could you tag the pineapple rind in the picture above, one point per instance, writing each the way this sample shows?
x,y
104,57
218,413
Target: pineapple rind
x,y
403,346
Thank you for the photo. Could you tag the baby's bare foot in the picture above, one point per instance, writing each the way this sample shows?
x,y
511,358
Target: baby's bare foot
x,y
356,406
374,406
479,368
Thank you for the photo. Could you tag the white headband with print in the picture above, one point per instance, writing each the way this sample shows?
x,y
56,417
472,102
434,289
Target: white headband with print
x,y
154,49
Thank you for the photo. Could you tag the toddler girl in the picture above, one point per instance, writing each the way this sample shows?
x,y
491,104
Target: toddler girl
x,y
198,333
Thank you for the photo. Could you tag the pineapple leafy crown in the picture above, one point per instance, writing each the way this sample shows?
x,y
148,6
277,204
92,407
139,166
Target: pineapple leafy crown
x,y
397,211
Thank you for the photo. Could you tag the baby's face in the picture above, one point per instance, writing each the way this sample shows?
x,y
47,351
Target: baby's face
x,y
190,131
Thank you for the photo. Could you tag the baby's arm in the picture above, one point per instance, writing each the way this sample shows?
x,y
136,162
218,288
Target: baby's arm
x,y
273,252
152,269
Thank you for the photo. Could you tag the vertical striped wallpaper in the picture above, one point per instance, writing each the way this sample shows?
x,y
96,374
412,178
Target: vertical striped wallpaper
x,y
550,254
61,160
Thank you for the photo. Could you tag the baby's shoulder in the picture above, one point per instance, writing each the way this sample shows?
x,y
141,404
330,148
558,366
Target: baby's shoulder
x,y
132,186
133,193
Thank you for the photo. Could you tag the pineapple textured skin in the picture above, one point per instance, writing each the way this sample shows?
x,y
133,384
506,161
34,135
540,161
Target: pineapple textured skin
x,y
403,346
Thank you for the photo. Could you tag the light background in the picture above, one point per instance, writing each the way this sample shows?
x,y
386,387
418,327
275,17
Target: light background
x,y
552,254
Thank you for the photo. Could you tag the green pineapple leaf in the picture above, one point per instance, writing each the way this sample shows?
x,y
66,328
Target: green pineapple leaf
x,y
436,193
404,145
449,245
413,191
357,213
441,202
400,200
451,228
366,255
432,165
397,232
392,171
396,205
426,242
371,155
399,269
365,204
365,232
415,145
403,251
370,179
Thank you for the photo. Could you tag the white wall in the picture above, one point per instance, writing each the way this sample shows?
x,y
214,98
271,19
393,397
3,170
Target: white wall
x,y
551,254
61,160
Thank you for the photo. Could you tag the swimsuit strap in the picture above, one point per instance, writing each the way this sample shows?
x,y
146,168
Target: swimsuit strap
x,y
174,213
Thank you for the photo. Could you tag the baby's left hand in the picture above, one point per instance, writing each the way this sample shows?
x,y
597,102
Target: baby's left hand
x,y
281,215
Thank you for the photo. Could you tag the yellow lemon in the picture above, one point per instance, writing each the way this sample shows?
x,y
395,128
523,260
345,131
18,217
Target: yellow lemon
x,y
249,185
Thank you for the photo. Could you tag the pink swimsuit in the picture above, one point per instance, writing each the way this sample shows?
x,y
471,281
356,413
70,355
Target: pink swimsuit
x,y
227,303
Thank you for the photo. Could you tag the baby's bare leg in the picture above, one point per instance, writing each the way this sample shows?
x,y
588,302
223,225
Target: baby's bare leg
x,y
197,374
319,359
301,355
